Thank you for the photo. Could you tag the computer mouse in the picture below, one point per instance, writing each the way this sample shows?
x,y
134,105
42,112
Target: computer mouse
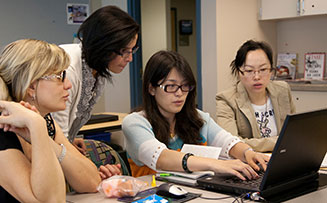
x,y
171,190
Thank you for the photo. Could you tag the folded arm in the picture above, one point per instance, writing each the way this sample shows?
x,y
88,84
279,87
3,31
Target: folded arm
x,y
38,180
79,171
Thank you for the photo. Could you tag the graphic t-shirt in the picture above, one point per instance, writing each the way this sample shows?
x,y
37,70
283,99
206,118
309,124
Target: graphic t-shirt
x,y
265,117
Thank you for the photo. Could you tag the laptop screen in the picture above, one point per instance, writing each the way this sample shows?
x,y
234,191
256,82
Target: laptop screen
x,y
300,148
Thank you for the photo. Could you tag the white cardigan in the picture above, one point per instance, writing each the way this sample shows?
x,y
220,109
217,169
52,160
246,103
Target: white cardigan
x,y
66,117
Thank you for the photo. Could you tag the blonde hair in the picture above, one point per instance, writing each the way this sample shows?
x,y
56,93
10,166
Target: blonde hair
x,y
25,61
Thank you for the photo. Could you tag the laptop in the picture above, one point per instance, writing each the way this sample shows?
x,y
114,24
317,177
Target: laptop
x,y
295,160
100,118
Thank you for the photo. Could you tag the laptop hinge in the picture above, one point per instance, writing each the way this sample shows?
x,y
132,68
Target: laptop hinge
x,y
281,187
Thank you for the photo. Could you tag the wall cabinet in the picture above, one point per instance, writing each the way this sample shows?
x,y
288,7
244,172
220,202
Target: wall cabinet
x,y
313,7
307,101
277,9
280,9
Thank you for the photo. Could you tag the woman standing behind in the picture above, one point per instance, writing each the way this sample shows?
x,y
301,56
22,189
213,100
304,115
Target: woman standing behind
x,y
256,107
108,41
170,119
35,156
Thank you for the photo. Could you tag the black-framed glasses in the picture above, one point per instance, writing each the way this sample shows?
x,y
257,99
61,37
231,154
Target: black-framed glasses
x,y
61,76
126,52
251,72
174,88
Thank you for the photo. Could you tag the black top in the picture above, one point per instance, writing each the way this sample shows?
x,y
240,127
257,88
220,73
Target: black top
x,y
8,140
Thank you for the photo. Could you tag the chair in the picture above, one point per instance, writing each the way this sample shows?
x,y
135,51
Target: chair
x,y
101,153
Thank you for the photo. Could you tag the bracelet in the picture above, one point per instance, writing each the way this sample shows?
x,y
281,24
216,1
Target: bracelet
x,y
184,162
63,153
246,151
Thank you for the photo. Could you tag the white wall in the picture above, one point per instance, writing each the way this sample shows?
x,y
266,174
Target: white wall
x,y
209,55
154,27
186,11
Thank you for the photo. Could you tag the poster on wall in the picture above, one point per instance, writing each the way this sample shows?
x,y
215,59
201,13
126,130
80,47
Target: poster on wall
x,y
77,13
286,68
314,66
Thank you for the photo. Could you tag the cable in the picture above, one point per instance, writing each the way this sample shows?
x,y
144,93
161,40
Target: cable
x,y
241,197
255,196
216,198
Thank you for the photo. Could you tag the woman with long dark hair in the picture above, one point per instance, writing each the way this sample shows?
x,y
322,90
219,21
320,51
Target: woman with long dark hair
x,y
170,119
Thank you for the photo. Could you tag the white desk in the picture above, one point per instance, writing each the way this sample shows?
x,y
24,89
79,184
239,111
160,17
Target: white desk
x,y
317,196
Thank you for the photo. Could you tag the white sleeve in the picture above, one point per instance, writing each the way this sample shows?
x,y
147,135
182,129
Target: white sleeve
x,y
141,144
66,117
217,136
226,141
149,152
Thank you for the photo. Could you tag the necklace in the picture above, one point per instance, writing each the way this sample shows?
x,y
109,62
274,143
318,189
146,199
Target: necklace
x,y
50,125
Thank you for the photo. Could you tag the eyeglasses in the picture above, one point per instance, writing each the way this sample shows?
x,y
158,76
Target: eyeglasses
x,y
61,76
126,52
251,72
174,88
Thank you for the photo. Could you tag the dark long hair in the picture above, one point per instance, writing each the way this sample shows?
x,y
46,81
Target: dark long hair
x,y
188,121
103,34
250,45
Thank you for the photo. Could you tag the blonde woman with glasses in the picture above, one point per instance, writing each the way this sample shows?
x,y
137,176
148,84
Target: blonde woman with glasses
x,y
255,108
35,156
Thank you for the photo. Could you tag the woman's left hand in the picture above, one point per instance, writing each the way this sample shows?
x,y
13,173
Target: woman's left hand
x,y
109,170
29,106
255,158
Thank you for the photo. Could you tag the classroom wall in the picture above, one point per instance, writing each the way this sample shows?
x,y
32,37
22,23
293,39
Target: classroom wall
x,y
38,19
186,11
154,27
209,55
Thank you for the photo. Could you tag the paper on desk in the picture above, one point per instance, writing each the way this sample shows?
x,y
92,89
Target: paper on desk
x,y
324,162
204,151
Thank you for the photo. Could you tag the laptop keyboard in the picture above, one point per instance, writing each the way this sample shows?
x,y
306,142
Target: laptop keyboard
x,y
254,183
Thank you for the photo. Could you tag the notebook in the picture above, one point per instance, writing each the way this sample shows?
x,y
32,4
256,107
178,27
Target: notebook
x,y
99,118
183,178
295,160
